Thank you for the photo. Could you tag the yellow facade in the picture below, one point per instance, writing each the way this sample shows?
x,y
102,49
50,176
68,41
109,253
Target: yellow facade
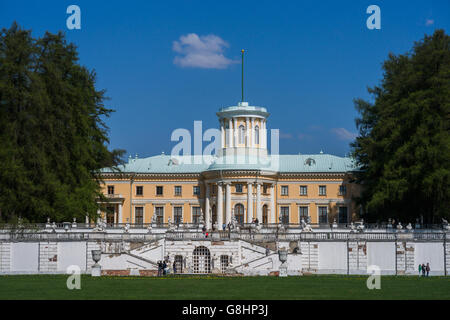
x,y
161,188
125,195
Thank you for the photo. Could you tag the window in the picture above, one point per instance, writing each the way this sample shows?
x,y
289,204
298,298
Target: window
x,y
139,215
322,190
159,190
227,135
323,215
159,212
214,189
303,190
196,212
224,263
343,217
239,188
178,190
256,135
241,134
110,189
178,215
139,190
284,190
342,190
214,214
265,188
178,264
284,214
303,213
110,213
239,213
196,190
265,215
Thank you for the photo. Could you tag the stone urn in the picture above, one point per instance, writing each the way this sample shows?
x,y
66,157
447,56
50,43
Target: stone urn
x,y
96,268
282,255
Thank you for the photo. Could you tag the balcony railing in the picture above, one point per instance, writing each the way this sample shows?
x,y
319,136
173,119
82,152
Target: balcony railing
x,y
222,236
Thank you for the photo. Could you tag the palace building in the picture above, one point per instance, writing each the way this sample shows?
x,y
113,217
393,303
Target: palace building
x,y
241,183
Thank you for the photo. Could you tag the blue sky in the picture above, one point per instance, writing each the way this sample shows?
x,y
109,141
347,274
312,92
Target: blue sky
x,y
306,61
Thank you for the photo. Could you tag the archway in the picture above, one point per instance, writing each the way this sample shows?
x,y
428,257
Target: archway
x,y
202,260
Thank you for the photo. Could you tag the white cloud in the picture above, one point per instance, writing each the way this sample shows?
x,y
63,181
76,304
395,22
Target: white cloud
x,y
343,134
429,22
285,135
201,52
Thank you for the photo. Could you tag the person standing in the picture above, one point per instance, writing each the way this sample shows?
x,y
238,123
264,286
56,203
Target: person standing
x,y
420,269
164,266
428,269
174,267
423,269
159,268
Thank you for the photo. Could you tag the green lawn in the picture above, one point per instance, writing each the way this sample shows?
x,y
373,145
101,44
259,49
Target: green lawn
x,y
199,287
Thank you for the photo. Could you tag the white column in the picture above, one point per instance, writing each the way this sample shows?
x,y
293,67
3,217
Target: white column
x,y
235,133
222,133
99,217
219,205
207,209
272,203
263,134
120,213
249,202
230,133
258,202
252,133
228,202
247,132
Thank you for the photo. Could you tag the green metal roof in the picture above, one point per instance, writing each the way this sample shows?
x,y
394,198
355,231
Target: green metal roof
x,y
302,163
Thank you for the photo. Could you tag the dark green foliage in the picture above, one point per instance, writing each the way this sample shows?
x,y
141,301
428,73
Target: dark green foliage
x,y
404,142
52,136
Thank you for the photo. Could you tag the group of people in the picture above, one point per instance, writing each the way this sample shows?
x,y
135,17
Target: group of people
x,y
424,269
205,232
162,268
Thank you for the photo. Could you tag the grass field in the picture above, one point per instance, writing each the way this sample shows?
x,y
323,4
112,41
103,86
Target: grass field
x,y
205,288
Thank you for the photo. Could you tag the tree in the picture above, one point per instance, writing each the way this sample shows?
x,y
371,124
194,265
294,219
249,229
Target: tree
x,y
403,147
53,139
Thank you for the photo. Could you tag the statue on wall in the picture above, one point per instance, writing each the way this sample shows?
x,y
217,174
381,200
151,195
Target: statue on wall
x,y
360,227
445,224
306,227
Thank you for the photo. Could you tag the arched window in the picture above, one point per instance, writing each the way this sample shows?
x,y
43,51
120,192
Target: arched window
x,y
239,213
178,264
224,263
241,134
256,135
227,136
